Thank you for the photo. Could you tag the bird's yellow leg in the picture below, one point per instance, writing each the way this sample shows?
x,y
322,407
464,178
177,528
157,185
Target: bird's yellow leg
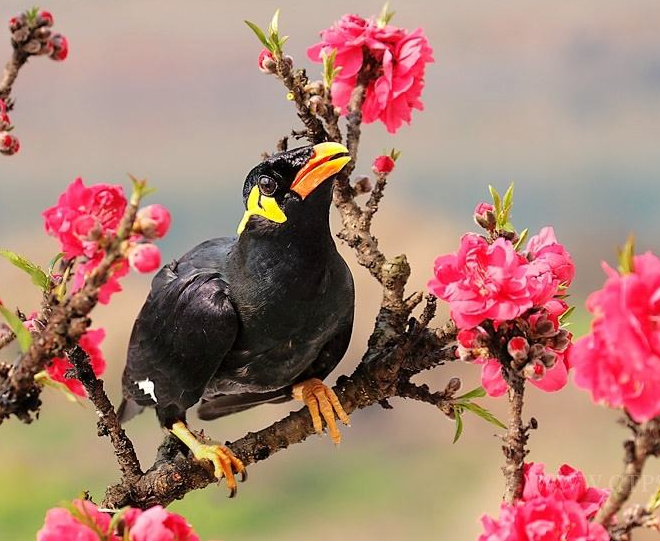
x,y
321,401
225,463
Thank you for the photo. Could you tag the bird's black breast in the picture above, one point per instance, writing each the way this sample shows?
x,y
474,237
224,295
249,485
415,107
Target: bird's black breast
x,y
290,307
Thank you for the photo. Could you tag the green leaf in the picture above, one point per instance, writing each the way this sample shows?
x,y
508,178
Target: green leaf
x,y
260,34
39,278
459,423
329,70
626,255
507,201
385,16
476,392
521,239
563,319
16,325
497,202
53,263
273,27
483,413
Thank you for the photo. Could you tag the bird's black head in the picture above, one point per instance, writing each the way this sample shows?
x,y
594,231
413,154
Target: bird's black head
x,y
286,187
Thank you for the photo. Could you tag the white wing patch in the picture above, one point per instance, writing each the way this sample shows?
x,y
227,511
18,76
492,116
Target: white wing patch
x,y
147,386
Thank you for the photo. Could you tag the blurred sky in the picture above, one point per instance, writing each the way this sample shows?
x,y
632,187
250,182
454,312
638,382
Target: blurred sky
x,y
562,98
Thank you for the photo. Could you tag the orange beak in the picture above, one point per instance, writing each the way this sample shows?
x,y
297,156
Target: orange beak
x,y
327,160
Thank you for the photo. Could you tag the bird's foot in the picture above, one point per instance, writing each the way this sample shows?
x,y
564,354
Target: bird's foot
x,y
322,401
225,463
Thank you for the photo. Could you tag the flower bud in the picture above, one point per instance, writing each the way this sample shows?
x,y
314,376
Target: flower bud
x,y
45,18
316,105
5,123
153,221
452,386
288,60
484,216
60,47
14,24
315,88
9,144
518,348
20,34
266,61
32,47
549,358
382,165
362,185
534,370
144,257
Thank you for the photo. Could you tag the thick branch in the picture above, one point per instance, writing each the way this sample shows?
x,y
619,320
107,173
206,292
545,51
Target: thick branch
x,y
515,441
645,443
10,73
108,422
374,380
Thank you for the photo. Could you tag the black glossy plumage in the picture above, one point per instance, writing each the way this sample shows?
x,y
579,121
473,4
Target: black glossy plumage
x,y
237,321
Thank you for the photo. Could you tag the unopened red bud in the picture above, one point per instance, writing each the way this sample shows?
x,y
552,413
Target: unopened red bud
x,y
9,144
5,123
534,370
266,61
144,257
518,348
60,47
46,18
484,216
382,165
14,24
153,221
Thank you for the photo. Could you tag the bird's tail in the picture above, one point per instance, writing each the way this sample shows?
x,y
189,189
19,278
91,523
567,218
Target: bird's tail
x,y
128,409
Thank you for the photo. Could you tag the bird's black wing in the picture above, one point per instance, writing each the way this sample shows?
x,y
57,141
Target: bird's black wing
x,y
326,361
183,332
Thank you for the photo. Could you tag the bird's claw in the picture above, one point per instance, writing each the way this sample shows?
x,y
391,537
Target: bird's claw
x,y
322,402
225,464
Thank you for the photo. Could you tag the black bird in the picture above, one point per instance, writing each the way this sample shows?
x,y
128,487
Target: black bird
x,y
259,318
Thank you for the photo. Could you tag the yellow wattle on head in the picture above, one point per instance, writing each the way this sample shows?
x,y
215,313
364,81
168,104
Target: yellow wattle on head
x,y
260,205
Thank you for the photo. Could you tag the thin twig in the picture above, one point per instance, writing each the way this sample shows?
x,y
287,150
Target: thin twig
x,y
515,441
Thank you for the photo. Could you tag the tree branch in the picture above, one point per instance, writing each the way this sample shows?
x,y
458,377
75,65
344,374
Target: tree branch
x,y
645,443
66,323
515,440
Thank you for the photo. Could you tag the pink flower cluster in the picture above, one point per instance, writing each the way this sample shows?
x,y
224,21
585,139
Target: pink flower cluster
x,y
86,218
492,282
401,59
550,509
484,281
619,360
9,143
84,521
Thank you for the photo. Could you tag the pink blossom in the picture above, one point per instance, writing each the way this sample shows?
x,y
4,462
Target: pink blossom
x,y
383,164
110,287
550,509
491,377
83,214
401,57
541,519
570,484
156,523
153,221
483,281
144,257
89,342
85,523
545,248
266,61
619,360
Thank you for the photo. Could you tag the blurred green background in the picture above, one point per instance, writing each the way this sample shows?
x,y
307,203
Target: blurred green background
x,y
562,98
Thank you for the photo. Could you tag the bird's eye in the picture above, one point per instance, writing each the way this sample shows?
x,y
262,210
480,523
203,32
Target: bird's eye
x,y
267,185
